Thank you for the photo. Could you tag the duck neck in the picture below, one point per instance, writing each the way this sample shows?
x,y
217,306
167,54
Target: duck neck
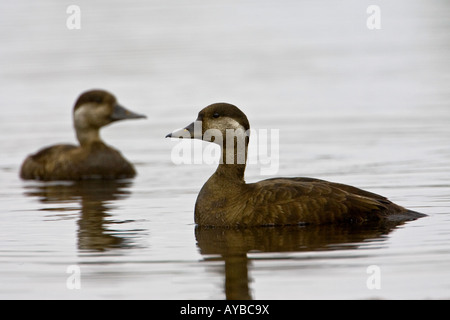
x,y
87,135
233,162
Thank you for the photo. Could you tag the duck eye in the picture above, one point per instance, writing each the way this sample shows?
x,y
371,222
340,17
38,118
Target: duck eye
x,y
216,115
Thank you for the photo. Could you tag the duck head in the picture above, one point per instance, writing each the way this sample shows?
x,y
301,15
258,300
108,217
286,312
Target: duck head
x,y
223,124
215,123
95,109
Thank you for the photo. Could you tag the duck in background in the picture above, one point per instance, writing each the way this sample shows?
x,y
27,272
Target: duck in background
x,y
226,200
92,159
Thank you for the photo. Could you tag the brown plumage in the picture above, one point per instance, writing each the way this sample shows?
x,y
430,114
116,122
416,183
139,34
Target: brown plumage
x,y
92,159
226,200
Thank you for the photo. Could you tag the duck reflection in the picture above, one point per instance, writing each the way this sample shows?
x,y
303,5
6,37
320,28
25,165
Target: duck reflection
x,y
233,245
95,197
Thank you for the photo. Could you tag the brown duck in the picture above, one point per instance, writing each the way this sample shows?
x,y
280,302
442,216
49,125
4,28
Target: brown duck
x,y
226,200
92,159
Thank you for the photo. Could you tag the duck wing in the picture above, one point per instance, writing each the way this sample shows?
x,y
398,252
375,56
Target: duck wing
x,y
283,201
41,164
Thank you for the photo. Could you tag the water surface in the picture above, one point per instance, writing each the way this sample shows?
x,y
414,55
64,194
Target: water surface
x,y
370,108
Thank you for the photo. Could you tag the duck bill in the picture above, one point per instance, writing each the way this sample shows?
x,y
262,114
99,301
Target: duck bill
x,y
192,131
122,113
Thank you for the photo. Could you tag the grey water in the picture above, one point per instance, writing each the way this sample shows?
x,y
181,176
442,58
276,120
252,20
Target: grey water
x,y
366,107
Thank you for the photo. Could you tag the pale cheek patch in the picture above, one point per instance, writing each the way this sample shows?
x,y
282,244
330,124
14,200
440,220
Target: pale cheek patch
x,y
235,141
88,115
80,116
229,123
